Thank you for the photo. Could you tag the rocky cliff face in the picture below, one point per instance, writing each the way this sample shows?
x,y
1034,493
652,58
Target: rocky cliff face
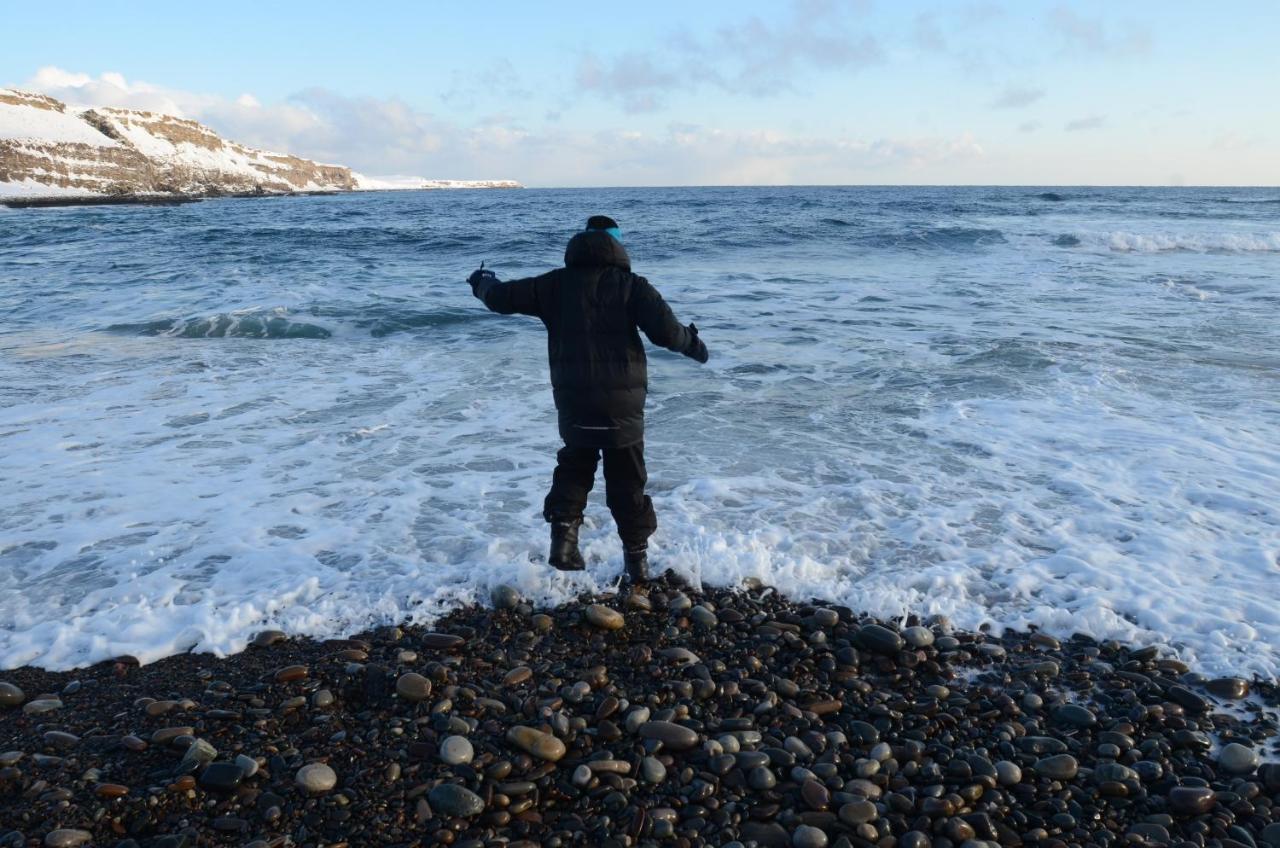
x,y
48,149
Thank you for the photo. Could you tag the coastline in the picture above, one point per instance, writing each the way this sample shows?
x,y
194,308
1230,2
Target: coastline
x,y
711,717
55,201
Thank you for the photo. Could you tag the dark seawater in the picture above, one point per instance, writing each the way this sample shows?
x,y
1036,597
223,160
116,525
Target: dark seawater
x,y
1008,405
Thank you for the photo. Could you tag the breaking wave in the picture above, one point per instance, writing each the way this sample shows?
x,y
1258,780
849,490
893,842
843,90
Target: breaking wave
x,y
1122,241
974,403
226,325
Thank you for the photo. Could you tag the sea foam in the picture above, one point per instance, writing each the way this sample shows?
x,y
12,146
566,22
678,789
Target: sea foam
x,y
1006,432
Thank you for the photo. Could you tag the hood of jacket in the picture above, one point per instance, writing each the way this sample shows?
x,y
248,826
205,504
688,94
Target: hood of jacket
x,y
596,249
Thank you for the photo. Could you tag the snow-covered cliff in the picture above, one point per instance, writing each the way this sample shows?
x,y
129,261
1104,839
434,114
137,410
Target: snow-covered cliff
x,y
49,150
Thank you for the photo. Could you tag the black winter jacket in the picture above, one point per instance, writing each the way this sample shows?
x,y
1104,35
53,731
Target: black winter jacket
x,y
592,309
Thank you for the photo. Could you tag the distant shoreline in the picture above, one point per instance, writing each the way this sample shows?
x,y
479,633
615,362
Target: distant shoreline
x,y
178,200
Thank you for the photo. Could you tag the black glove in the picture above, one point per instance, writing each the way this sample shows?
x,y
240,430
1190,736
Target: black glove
x,y
697,350
479,276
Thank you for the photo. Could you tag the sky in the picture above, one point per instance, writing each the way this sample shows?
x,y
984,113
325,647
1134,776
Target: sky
x,y
1174,92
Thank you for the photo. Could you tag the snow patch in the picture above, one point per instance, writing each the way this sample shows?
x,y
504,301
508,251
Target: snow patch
x,y
30,123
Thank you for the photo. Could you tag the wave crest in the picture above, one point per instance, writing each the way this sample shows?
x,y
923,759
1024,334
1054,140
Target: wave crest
x,y
1122,241
226,325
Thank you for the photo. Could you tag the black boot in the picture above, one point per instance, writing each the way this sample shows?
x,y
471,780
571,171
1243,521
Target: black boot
x,y
635,565
565,555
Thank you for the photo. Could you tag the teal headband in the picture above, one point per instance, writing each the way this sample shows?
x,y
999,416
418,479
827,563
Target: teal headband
x,y
613,231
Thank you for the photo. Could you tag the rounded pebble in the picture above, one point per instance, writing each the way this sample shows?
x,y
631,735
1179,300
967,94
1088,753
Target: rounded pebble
x,y
11,695
456,750
606,618
316,779
413,687
454,800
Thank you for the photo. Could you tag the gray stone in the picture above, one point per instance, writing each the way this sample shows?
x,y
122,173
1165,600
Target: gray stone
x,y
1151,832
221,777
671,735
1113,772
61,740
456,750
992,650
1008,773
865,788
703,617
880,640
316,779
808,836
1042,745
247,764
1238,759
825,617
67,838
413,687
41,706
761,778
1045,668
858,812
1074,715
635,718
918,637
652,770
1271,835
679,656
199,752
454,800
504,597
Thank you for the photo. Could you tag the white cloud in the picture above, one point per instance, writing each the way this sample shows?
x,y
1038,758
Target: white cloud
x,y
379,136
756,57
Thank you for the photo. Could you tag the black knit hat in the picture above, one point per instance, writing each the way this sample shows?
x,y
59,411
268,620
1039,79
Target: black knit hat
x,y
601,222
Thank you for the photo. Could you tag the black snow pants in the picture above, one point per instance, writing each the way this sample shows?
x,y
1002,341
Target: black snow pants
x,y
624,479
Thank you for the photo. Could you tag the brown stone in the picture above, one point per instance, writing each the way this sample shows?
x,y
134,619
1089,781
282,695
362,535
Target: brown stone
x,y
534,742
291,673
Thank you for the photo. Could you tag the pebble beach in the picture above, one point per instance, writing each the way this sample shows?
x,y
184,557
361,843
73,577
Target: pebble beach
x,y
666,717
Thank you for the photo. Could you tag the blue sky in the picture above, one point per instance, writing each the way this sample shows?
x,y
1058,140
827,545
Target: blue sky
x,y
813,91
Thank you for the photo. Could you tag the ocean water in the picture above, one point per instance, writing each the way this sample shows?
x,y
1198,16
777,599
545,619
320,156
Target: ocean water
x,y
1009,406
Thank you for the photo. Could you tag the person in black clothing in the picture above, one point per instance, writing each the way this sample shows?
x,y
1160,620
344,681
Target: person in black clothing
x,y
593,309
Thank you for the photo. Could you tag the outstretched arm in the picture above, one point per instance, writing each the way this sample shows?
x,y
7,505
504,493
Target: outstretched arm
x,y
506,298
655,318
